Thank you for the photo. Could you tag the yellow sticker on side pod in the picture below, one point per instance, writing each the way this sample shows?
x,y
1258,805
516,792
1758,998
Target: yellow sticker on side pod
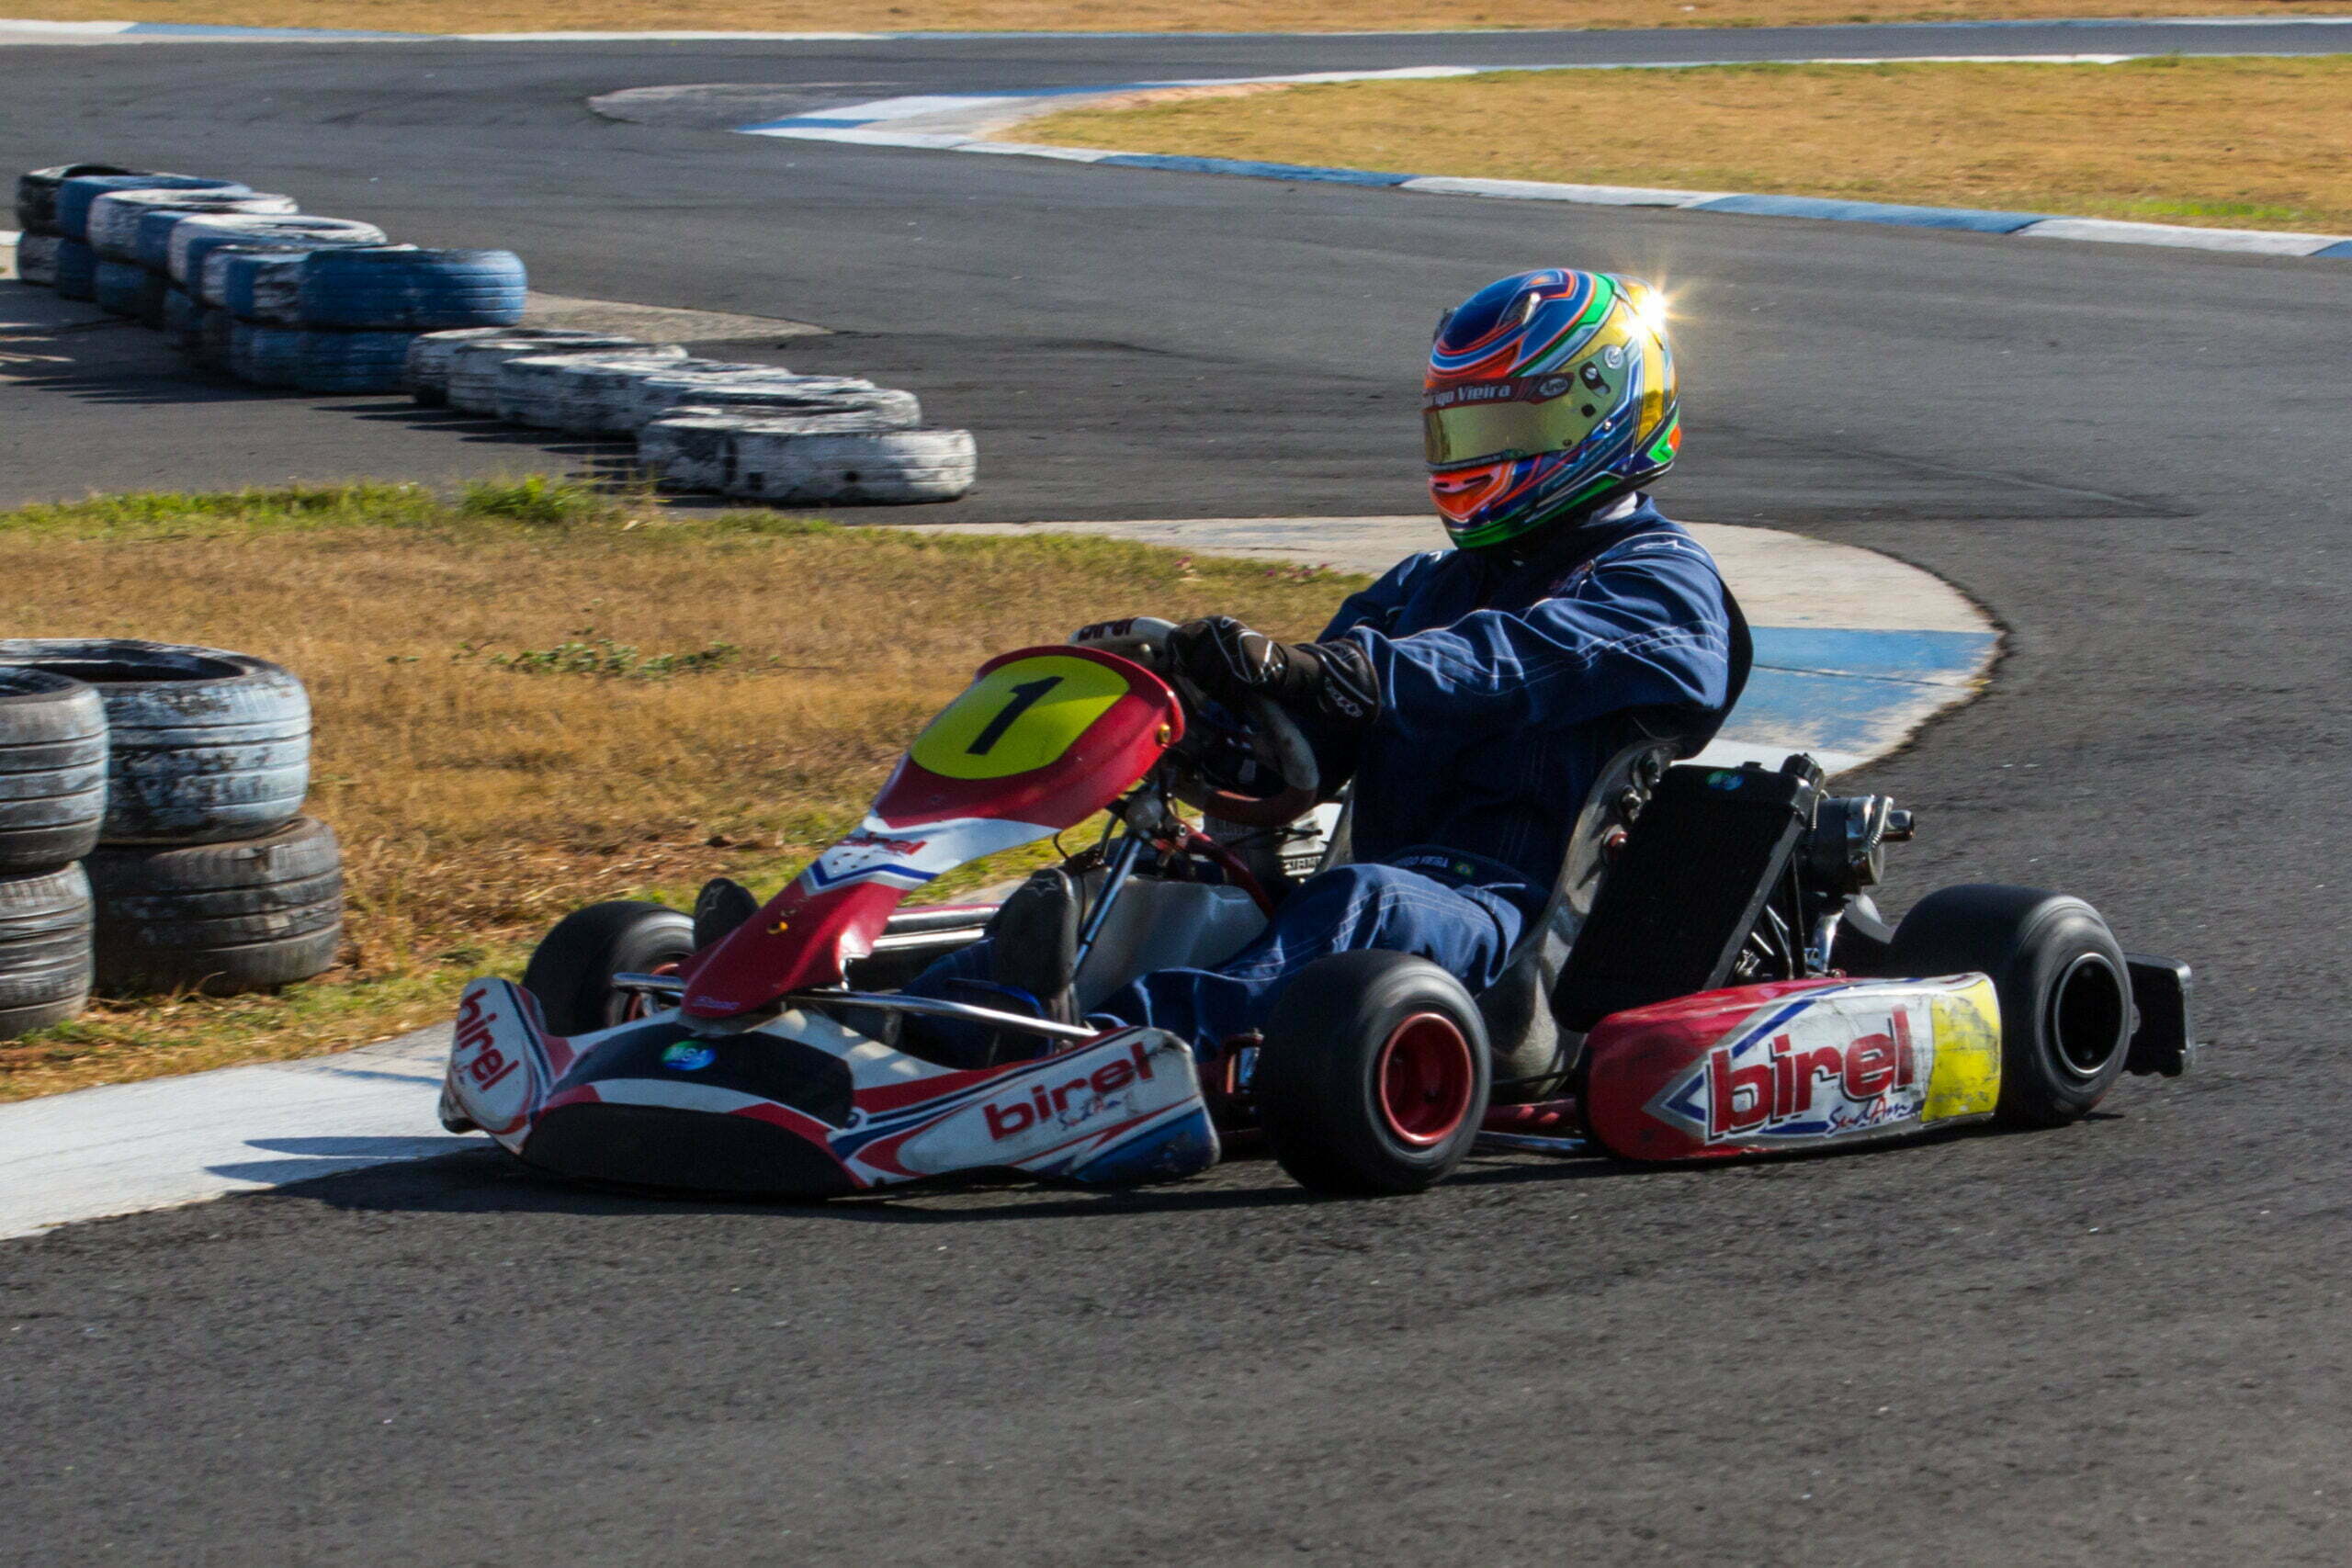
x,y
1964,1075
1018,717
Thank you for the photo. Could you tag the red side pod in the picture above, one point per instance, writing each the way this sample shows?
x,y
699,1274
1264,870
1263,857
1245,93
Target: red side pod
x,y
925,823
1658,1082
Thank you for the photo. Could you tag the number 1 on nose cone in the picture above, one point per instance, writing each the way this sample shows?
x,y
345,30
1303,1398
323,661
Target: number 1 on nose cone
x,y
1018,717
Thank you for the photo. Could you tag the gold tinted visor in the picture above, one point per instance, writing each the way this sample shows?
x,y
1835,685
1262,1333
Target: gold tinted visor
x,y
1522,427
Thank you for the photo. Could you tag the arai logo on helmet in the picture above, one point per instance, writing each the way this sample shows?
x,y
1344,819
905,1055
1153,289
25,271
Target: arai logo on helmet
x,y
1813,1071
689,1056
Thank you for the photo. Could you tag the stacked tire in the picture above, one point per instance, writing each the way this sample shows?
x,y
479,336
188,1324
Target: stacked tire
x,y
52,800
197,870
243,282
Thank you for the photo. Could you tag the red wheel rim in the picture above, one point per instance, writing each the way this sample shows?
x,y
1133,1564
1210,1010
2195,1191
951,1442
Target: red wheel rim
x,y
1425,1077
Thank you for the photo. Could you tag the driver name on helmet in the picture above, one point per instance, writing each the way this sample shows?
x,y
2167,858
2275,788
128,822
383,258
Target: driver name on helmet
x,y
1549,394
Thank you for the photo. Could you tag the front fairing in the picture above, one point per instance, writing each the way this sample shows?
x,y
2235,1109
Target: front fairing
x,y
802,1106
1043,739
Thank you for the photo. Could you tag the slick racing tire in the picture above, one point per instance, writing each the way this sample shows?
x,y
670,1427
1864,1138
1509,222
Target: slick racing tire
x,y
203,744
220,919
44,949
53,769
2065,993
1375,1075
570,972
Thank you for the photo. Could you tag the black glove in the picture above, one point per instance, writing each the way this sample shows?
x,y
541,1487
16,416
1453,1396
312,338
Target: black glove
x,y
1329,686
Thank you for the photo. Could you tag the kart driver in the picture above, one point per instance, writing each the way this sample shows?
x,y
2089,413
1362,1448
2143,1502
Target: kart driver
x,y
1474,693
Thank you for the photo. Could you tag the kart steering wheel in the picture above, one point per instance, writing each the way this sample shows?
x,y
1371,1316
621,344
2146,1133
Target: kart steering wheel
x,y
1270,736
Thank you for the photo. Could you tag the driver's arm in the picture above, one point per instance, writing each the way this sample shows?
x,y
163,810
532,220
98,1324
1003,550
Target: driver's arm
x,y
1647,626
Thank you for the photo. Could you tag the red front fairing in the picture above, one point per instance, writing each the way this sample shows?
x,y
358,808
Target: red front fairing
x,y
1801,1064
964,790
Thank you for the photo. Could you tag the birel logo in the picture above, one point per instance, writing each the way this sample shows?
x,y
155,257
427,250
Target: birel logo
x,y
1775,1085
494,1080
1044,1104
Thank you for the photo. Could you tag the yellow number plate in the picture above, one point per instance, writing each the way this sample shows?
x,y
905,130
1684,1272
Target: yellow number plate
x,y
1018,717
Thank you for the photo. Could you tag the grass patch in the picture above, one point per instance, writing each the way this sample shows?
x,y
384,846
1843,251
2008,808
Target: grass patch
x,y
530,696
1088,16
2215,143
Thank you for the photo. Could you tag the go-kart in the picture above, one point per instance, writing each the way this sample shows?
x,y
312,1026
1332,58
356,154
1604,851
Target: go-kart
x,y
1710,979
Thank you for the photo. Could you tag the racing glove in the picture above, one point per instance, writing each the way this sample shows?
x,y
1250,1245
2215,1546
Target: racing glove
x,y
1331,687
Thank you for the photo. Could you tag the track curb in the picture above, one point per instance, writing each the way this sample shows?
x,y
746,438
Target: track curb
x,y
970,122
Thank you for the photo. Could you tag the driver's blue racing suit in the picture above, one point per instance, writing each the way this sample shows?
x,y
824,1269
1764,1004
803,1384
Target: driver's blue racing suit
x,y
1505,685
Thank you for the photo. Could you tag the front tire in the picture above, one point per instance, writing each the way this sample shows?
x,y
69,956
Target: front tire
x,y
570,972
2065,993
1375,1075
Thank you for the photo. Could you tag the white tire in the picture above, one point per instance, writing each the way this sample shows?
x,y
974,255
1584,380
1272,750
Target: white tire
x,y
37,259
478,370
778,396
426,373
580,394
774,461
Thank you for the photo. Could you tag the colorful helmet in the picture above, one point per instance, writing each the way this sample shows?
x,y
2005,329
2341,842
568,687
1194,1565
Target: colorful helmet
x,y
1548,393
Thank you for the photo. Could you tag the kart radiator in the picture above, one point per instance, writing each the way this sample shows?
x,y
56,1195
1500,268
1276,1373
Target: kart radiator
x,y
1685,889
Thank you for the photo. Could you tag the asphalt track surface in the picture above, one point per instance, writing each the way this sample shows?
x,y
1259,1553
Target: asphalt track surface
x,y
2120,1342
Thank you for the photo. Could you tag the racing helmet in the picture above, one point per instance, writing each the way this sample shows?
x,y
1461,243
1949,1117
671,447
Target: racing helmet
x,y
1548,393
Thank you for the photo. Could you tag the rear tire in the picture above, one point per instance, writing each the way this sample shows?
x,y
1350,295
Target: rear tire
x,y
1375,1075
2066,994
570,972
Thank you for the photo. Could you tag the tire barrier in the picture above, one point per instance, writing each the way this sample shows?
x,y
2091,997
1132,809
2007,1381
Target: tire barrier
x,y
119,220
772,393
75,195
419,290
580,394
473,380
833,458
203,744
121,288
351,361
45,949
425,374
241,281
77,270
36,193
264,355
192,239
182,320
53,769
37,259
219,919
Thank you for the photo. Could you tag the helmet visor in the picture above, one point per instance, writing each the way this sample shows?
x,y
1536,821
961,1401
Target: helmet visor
x,y
1497,421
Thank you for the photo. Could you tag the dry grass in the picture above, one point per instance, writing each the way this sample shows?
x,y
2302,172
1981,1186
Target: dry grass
x,y
478,799
2222,143
1088,15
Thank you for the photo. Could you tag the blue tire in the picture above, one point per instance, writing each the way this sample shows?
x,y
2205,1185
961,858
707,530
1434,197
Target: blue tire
x,y
72,214
37,192
77,266
191,241
183,316
151,244
353,361
120,287
412,289
264,355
